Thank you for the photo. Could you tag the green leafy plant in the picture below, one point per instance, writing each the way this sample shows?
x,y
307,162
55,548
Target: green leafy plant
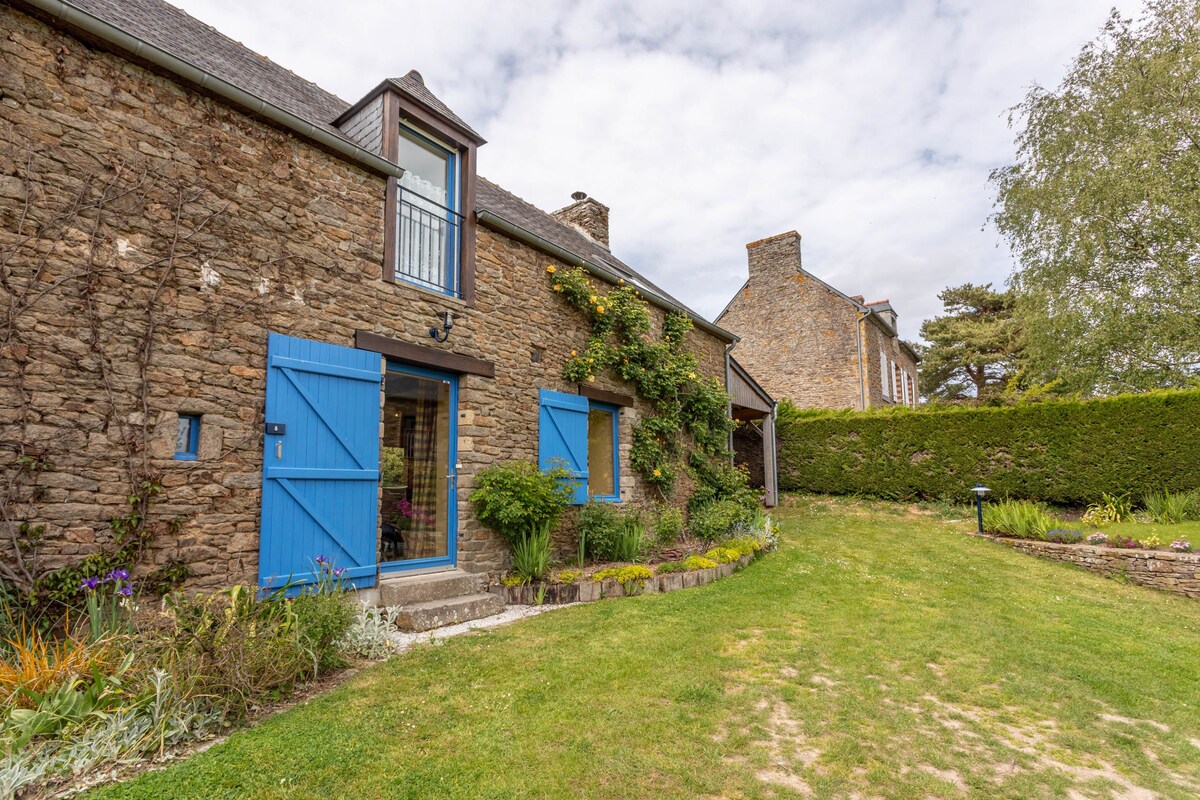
x,y
670,567
531,555
1111,508
391,466
631,539
720,519
668,526
1019,518
1171,508
323,614
516,497
370,632
600,526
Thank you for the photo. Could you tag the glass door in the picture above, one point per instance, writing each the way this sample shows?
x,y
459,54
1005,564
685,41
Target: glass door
x,y
418,475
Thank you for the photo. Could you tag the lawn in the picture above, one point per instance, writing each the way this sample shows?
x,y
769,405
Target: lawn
x,y
879,653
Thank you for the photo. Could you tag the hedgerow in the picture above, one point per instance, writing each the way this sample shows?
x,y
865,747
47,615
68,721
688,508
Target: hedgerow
x,y
1065,452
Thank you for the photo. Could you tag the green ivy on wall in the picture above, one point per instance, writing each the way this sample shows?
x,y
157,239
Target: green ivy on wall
x,y
661,368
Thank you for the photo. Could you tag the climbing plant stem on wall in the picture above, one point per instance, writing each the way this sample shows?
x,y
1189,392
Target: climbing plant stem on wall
x,y
660,367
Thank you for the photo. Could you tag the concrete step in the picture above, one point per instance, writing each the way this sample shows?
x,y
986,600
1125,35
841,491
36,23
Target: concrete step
x,y
432,614
403,591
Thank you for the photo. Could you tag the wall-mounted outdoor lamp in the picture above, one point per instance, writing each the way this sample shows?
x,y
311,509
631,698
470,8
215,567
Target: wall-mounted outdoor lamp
x,y
442,335
980,490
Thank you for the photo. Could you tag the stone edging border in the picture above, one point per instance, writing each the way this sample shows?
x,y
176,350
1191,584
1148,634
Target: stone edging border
x,y
590,591
1159,569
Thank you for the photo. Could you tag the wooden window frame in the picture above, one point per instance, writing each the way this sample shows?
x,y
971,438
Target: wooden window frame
x,y
398,110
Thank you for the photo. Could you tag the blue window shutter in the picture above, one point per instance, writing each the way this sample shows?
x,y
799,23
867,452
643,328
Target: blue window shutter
x,y
562,437
321,471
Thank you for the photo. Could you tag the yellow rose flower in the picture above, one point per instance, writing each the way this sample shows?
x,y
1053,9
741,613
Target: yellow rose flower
x,y
558,287
599,309
551,269
591,378
572,352
692,375
592,299
658,473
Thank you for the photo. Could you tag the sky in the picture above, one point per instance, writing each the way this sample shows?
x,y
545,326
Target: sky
x,y
868,127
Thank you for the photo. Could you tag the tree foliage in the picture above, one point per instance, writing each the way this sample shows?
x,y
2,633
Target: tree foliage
x,y
974,348
1102,209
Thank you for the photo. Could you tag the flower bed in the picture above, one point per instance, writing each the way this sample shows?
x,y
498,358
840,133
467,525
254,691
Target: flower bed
x,y
589,590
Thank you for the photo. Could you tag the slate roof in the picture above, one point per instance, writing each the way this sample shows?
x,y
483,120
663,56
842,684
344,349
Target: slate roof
x,y
187,38
414,84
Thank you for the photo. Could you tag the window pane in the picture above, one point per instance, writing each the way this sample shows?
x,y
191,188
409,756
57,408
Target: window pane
x,y
426,169
601,480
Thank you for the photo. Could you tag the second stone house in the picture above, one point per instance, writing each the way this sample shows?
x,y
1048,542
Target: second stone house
x,y
810,343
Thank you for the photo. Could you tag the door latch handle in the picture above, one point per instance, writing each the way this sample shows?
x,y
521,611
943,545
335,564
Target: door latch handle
x,y
279,450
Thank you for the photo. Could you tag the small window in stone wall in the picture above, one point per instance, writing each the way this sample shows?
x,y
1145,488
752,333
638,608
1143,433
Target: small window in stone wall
x,y
187,437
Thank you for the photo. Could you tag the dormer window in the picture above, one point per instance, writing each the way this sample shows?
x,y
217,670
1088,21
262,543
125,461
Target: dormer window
x,y
429,217
428,222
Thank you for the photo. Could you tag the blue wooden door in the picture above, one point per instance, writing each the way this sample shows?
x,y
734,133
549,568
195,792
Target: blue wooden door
x,y
321,469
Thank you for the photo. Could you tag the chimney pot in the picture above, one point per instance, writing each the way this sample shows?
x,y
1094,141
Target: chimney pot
x,y
577,196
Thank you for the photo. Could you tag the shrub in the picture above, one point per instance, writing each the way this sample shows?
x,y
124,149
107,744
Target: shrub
x,y
600,526
699,562
1181,546
516,497
1111,508
1064,536
1019,518
668,526
1064,452
669,567
236,647
718,480
1171,508
1097,538
531,555
718,520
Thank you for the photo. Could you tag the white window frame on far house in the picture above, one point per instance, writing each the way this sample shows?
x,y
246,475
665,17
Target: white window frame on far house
x,y
885,387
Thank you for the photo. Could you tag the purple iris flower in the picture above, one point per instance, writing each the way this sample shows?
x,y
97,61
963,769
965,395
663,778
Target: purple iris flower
x,y
339,572
125,591
117,575
321,560
89,583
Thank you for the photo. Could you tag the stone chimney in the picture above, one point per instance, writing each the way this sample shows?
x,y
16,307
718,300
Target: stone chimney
x,y
775,259
588,216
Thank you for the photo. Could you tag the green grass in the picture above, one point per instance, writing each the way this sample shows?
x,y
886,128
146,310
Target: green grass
x,y
879,651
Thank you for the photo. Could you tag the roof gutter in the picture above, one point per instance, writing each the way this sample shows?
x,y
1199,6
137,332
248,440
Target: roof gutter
x,y
142,49
530,238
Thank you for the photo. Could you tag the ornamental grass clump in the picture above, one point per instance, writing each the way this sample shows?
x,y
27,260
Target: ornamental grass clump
x,y
1020,518
1111,508
1172,508
531,555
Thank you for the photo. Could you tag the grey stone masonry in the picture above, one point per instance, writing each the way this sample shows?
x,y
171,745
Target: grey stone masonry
x,y
1171,572
588,216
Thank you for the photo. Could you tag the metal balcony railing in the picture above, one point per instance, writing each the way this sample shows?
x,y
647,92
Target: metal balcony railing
x,y
428,241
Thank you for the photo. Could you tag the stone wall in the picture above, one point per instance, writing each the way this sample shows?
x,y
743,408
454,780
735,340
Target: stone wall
x,y
1171,572
176,232
798,338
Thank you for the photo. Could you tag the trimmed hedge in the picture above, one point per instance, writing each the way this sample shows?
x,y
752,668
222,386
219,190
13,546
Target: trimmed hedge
x,y
1064,451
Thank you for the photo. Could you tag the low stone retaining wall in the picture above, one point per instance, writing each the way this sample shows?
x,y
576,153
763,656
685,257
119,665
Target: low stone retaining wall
x,y
589,591
1161,569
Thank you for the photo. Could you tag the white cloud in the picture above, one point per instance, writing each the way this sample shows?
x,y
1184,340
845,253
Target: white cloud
x,y
870,127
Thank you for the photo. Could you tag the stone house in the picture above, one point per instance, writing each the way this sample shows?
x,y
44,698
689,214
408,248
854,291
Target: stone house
x,y
808,342
310,320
